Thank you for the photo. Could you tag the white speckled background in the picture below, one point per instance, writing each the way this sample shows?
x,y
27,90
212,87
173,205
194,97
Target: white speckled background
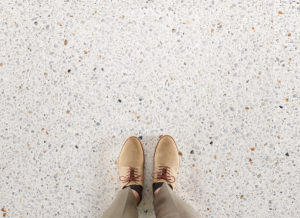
x,y
78,77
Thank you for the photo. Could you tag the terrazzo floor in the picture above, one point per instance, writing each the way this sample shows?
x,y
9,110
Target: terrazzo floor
x,y
79,77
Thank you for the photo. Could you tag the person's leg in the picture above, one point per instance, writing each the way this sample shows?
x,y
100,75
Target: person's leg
x,y
131,166
166,167
124,206
168,205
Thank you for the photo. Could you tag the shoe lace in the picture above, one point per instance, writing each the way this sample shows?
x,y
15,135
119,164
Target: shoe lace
x,y
164,173
131,176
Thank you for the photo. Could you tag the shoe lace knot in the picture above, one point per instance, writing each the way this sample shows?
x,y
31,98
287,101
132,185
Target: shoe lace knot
x,y
164,172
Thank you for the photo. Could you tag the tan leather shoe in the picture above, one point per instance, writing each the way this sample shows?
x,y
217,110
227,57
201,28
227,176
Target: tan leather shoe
x,y
131,163
166,161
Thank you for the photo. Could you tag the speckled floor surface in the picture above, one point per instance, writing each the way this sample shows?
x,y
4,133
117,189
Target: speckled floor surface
x,y
78,77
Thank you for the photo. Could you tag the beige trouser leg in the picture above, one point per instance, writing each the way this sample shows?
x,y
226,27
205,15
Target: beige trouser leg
x,y
168,205
124,206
